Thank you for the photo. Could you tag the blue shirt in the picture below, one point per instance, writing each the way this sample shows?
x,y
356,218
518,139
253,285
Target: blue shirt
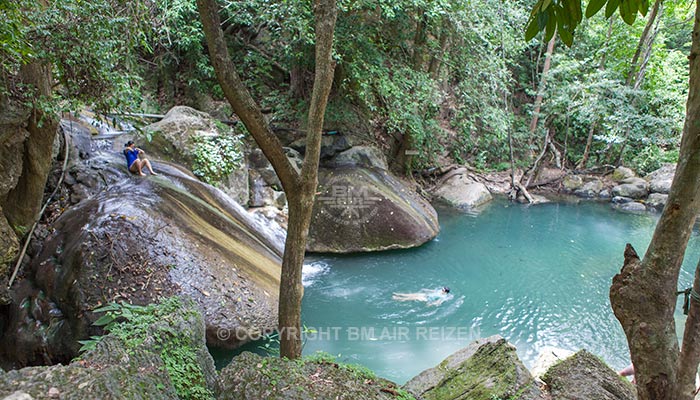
x,y
131,156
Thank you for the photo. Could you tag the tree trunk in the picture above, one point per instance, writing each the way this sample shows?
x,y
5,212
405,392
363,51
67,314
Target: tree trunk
x,y
645,41
587,150
643,294
300,187
646,44
419,42
540,88
690,349
22,203
436,59
589,140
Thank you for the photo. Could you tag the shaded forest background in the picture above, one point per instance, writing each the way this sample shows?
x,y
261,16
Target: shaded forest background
x,y
451,79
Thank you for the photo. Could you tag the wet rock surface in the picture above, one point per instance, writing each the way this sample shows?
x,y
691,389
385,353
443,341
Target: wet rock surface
x,y
136,239
362,209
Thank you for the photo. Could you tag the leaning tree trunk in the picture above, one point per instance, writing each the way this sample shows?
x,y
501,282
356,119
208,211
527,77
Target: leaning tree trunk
x,y
22,203
300,187
540,88
643,295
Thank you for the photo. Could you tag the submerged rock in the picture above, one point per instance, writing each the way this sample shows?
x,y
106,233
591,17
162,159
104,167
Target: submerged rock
x,y
362,209
486,369
252,377
631,207
462,193
584,376
176,365
137,239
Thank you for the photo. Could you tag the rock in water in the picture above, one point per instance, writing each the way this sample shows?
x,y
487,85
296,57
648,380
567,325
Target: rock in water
x,y
635,188
584,376
486,369
136,239
660,180
462,193
362,209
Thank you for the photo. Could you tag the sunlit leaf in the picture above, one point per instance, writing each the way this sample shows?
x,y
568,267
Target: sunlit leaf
x,y
594,6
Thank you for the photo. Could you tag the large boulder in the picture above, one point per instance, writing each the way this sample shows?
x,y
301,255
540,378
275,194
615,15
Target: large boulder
x,y
137,239
660,180
330,145
486,369
203,145
657,201
165,358
359,156
572,182
252,377
460,192
585,376
621,173
362,209
590,189
634,188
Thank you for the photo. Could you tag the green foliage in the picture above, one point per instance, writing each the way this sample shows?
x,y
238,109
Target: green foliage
x,y
215,157
650,158
133,325
15,47
563,16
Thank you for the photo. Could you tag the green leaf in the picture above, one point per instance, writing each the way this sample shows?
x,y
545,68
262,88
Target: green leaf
x,y
546,4
644,7
533,28
611,7
104,320
574,9
566,37
594,6
628,11
551,25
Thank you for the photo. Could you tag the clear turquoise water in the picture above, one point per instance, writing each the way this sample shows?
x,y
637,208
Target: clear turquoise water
x,y
539,276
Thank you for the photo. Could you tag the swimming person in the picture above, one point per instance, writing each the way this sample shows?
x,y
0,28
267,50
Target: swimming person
x,y
133,162
434,297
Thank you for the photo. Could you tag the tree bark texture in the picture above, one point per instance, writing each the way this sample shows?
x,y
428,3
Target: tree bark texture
x,y
643,294
645,41
22,203
300,187
690,348
543,82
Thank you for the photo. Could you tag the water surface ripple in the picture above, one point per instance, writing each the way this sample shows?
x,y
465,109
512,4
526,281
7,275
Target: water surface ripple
x,y
539,276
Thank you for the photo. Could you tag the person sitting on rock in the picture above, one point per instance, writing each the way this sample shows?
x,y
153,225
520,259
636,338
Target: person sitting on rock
x,y
434,297
133,162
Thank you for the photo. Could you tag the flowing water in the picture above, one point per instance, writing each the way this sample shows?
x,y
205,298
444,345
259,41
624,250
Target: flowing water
x,y
539,276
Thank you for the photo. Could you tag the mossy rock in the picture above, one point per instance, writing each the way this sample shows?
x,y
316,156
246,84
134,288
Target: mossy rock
x,y
252,377
585,376
487,369
119,369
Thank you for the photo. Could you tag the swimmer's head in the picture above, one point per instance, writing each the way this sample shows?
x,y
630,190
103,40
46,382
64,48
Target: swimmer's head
x,y
446,289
